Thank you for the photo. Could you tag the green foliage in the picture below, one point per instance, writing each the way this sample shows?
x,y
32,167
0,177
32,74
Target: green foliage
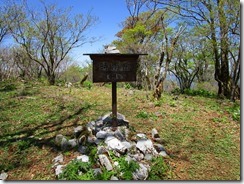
x,y
105,175
87,84
72,74
77,170
92,150
146,115
235,111
127,168
127,86
158,103
158,169
23,145
108,85
43,80
138,32
5,86
172,104
200,92
143,115
193,92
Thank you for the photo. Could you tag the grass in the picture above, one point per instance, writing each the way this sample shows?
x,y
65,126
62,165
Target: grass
x,y
201,134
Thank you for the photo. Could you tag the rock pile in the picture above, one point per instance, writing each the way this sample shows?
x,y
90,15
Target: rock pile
x,y
121,141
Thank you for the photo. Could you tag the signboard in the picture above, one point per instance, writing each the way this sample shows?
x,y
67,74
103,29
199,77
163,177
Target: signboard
x,y
114,67
111,67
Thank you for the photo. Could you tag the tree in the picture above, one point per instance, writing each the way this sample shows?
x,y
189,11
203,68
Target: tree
x,y
140,39
4,31
166,56
8,69
221,20
149,32
138,35
27,69
49,35
187,60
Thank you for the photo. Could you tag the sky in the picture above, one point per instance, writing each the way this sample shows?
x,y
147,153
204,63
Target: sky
x,y
110,14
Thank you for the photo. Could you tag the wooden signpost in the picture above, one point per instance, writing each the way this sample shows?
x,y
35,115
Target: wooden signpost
x,y
114,68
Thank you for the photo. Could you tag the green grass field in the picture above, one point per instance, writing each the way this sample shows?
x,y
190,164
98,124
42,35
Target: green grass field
x,y
202,135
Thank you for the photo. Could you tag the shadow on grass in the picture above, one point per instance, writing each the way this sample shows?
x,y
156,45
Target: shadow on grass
x,y
31,136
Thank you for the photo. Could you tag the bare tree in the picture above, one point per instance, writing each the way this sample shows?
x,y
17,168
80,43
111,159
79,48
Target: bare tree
x,y
3,25
184,74
8,69
168,47
49,35
27,69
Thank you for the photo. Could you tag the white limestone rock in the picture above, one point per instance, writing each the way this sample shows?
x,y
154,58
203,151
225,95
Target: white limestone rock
x,y
83,158
58,139
141,136
118,134
146,146
138,157
105,162
141,173
148,157
163,153
101,150
126,144
101,134
91,139
114,178
58,159
3,176
99,123
59,169
97,171
155,133
72,143
115,144
77,131
64,144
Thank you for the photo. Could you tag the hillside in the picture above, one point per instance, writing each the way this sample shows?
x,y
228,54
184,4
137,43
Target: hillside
x,y
201,135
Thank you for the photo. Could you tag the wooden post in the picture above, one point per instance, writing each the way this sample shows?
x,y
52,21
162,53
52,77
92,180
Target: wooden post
x,y
114,105
114,67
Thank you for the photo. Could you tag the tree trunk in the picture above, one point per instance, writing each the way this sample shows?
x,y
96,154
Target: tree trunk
x,y
158,84
51,79
160,87
217,73
224,70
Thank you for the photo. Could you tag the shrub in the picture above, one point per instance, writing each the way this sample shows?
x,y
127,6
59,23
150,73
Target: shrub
x,y
127,168
127,86
87,84
199,92
158,169
5,87
77,170
195,92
